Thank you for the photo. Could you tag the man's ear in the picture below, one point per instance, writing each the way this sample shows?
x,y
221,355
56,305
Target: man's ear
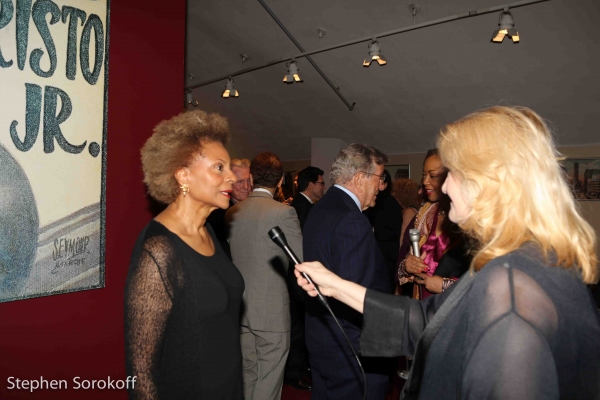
x,y
358,182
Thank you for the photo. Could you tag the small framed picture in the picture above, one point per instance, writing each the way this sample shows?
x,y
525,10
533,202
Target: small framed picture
x,y
583,176
399,171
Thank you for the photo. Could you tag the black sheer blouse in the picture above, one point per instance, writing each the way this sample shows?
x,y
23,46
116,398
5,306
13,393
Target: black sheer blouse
x,y
182,313
520,329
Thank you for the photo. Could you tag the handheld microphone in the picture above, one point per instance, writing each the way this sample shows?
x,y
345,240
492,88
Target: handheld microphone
x,y
277,236
415,235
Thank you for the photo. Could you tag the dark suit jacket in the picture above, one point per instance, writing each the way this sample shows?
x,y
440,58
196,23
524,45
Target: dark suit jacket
x,y
302,206
338,235
386,219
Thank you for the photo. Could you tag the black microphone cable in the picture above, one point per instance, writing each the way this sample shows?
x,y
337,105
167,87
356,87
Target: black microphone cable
x,y
277,236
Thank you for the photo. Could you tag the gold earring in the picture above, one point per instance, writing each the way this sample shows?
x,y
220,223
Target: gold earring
x,y
184,189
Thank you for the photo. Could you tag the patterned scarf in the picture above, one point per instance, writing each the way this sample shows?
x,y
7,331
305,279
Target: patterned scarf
x,y
435,246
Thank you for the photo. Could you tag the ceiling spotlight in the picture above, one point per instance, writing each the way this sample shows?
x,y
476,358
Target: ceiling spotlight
x,y
292,75
507,27
189,97
374,54
229,90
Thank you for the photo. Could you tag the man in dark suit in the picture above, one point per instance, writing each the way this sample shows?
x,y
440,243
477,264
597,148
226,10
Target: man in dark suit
x,y
337,234
311,188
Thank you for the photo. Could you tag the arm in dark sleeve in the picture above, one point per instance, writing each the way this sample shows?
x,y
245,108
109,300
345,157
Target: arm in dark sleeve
x,y
392,325
148,304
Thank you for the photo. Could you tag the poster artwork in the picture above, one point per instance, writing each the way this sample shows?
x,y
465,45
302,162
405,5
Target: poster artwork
x,y
583,176
53,71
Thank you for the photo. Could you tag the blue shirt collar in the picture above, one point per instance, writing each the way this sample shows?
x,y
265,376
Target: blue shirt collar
x,y
352,195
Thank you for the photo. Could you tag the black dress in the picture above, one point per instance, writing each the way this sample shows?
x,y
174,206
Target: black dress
x,y
182,320
519,329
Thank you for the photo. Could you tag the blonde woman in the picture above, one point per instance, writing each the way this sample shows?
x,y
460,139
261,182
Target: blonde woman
x,y
522,324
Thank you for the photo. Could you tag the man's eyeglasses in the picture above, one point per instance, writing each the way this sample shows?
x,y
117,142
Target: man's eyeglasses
x,y
320,183
381,177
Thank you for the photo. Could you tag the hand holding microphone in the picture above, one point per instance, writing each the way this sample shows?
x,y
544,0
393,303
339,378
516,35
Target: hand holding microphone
x,y
324,277
316,272
414,263
414,236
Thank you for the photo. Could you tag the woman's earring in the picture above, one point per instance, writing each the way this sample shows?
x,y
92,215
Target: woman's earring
x,y
184,189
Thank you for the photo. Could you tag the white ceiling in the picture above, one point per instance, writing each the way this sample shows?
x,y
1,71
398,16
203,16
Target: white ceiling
x,y
434,75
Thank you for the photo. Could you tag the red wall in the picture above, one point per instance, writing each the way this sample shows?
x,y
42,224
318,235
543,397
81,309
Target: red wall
x,y
81,334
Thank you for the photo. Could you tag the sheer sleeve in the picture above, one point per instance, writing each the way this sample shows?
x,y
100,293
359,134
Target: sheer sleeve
x,y
392,325
149,295
511,358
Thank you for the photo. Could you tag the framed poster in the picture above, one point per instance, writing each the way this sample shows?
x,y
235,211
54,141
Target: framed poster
x,y
583,176
398,171
53,68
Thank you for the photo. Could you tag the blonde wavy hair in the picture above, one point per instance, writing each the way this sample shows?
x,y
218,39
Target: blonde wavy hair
x,y
512,180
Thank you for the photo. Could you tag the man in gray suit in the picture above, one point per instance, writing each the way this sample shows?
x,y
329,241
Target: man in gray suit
x,y
265,330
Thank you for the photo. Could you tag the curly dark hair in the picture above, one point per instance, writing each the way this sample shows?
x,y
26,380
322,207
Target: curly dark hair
x,y
174,144
406,191
266,170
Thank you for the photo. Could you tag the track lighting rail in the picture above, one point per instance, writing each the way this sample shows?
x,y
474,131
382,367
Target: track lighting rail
x,y
367,39
309,58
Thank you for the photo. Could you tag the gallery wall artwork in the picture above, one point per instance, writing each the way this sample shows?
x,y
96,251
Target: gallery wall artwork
x,y
398,171
53,71
583,176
